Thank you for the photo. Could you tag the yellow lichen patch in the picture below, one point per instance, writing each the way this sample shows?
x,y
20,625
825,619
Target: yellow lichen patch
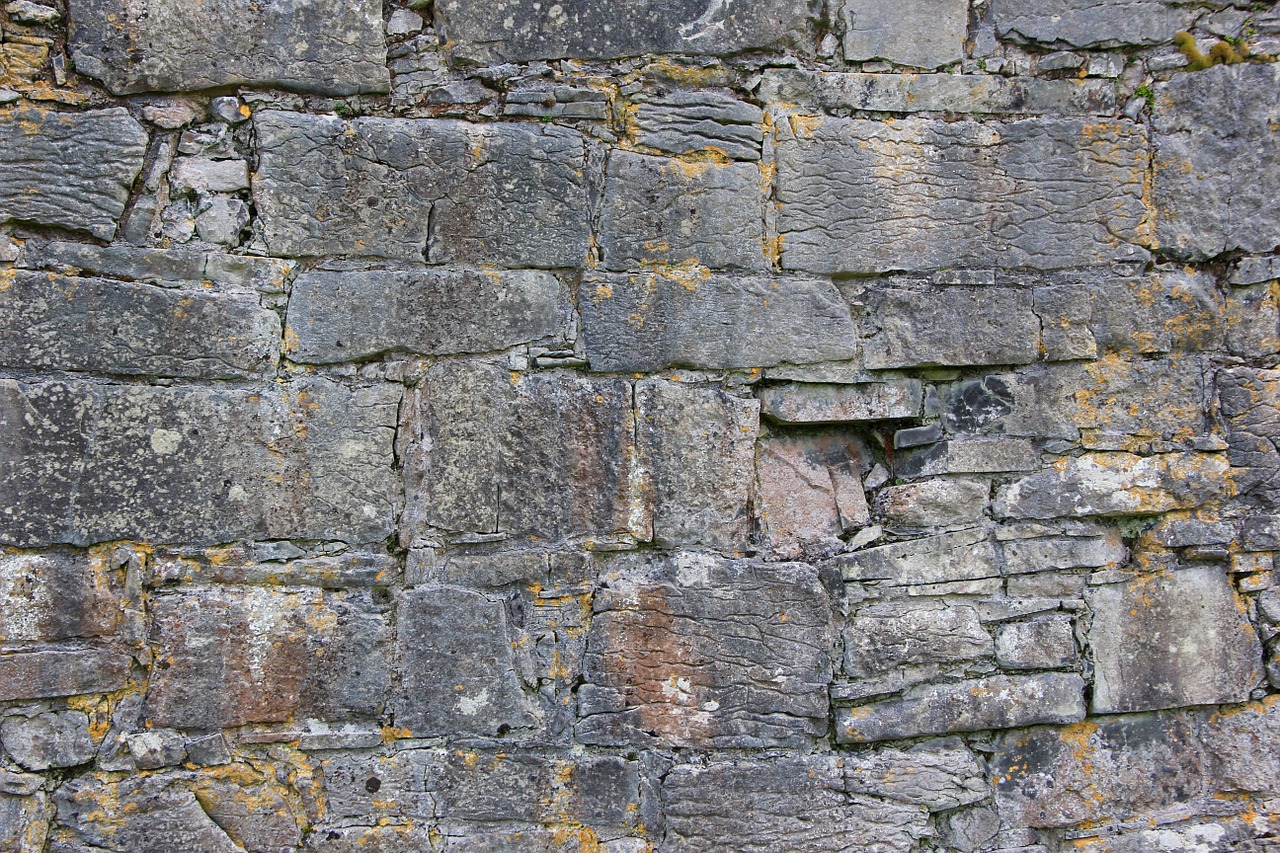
x,y
709,75
805,126
394,733
688,273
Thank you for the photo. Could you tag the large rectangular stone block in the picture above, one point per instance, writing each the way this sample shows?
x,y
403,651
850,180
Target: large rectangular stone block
x,y
53,322
545,454
861,196
589,29
184,45
942,558
69,170
920,33
414,190
694,318
882,637
1091,23
704,121
88,463
697,651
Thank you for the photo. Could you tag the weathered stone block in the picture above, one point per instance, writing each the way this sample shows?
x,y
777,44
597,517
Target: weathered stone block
x,y
69,170
414,190
697,651
162,815
308,459
24,821
231,656
1217,164
547,454
648,321
965,555
377,786
968,456
697,445
660,211
700,121
1041,554
1250,401
1091,23
56,595
177,45
935,503
346,316
50,322
998,702
131,263
61,672
458,666
938,775
864,196
590,29
1170,640
804,799
809,493
813,403
47,740
881,638
921,33
1047,643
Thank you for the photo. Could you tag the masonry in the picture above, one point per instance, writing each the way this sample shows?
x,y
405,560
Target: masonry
x,y
670,425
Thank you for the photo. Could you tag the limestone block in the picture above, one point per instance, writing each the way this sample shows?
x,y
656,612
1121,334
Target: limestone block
x,y
51,739
944,557
948,502
968,456
56,595
812,403
1045,553
179,45
693,650
921,33
1047,643
162,815
694,318
177,266
62,672
809,493
1250,401
881,638
938,775
1091,23
700,121
69,170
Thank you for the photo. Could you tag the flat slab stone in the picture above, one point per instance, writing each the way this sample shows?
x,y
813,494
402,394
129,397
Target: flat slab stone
x,y
883,637
1217,164
62,672
693,650
1171,640
180,45
861,196
589,29
920,33
91,463
1091,23
69,170
647,321
814,403
169,266
968,456
703,121
945,557
421,189
345,316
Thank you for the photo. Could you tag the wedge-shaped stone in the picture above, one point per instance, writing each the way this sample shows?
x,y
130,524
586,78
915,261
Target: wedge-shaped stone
x,y
1091,23
921,33
344,316
61,672
56,595
697,445
1217,165
589,29
883,637
1171,640
69,170
998,702
51,322
703,120
965,555
694,318
812,403
863,196
237,655
660,211
546,454
1250,400
458,667
1116,484
181,45
809,493
802,806
413,190
89,463
693,650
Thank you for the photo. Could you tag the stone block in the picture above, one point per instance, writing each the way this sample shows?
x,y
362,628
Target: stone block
x,y
1091,23
809,493
237,655
588,29
69,170
997,702
700,121
348,316
861,196
697,651
47,673
413,190
938,775
815,403
968,456
1169,640
949,502
162,815
24,822
56,595
175,45
175,266
1250,401
1216,172
920,33
1040,554
694,318
51,739
205,175
544,454
363,787
883,637
1047,643
941,558
698,446
660,211
51,322
458,665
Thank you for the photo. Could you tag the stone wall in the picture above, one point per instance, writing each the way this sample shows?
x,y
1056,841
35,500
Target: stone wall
x,y
664,425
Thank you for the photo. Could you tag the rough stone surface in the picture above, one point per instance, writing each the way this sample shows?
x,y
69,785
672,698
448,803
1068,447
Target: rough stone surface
x,y
694,122
965,555
1091,23
882,638
818,403
1251,403
916,32
809,493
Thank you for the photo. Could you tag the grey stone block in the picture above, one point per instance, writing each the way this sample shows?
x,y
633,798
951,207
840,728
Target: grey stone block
x,y
863,196
176,266
647,321
51,739
1047,643
413,190
884,637
968,456
1042,554
56,595
693,650
1091,23
162,815
1250,402
45,673
921,33
813,403
938,775
69,170
951,502
169,45
965,555
347,316
1171,640
700,121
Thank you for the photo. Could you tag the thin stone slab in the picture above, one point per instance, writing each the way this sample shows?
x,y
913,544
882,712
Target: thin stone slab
x,y
181,45
347,316
69,170
420,189
589,29
62,672
919,33
968,456
1091,23
168,266
814,403
942,558
862,196
648,321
